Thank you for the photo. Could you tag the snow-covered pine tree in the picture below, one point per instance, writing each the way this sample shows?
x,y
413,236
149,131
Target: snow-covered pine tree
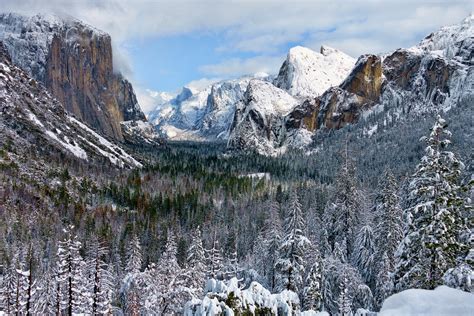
x,y
431,242
383,281
340,252
70,269
342,214
363,298
231,267
134,256
45,303
272,236
26,286
364,255
196,264
344,300
3,286
23,288
312,290
324,247
215,261
290,265
164,283
388,227
334,273
99,279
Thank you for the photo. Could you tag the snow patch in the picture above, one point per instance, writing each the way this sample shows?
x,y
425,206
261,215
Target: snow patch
x,y
441,301
74,149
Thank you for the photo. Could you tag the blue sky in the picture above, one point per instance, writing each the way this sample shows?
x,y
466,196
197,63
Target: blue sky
x,y
161,45
170,62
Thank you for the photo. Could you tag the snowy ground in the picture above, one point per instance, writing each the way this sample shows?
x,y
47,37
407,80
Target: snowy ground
x,y
442,301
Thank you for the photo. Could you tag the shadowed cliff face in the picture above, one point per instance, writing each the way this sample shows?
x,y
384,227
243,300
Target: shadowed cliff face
x,y
80,74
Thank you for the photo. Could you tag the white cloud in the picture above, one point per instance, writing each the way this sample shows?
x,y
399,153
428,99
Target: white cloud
x,y
262,27
202,83
237,67
256,25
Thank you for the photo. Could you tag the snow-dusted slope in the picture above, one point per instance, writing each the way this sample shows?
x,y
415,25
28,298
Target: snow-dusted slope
x,y
451,40
306,73
31,119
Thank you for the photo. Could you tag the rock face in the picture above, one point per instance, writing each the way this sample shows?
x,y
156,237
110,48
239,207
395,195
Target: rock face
x,y
74,61
32,120
341,105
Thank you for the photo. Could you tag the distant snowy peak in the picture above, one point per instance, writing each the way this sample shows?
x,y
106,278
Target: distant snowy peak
x,y
449,40
306,73
203,113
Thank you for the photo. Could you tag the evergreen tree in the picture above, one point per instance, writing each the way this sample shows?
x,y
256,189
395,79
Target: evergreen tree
x,y
431,242
364,255
165,290
100,279
290,265
388,230
384,283
134,258
342,215
273,232
72,296
344,300
363,298
312,290
196,264
46,303
215,265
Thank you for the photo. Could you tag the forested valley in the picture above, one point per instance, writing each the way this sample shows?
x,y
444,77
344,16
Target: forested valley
x,y
82,239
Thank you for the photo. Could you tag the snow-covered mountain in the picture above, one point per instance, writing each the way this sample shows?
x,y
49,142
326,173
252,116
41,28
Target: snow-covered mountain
x,y
207,114
306,73
435,75
74,62
200,114
31,120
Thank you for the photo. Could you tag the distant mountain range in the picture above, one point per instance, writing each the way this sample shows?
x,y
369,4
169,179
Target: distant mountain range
x,y
325,90
312,92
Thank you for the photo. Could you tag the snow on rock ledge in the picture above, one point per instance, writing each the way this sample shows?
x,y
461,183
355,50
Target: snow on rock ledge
x,y
439,302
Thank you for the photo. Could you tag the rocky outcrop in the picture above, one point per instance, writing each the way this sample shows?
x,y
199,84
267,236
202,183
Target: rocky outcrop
x,y
74,61
33,122
258,117
339,106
